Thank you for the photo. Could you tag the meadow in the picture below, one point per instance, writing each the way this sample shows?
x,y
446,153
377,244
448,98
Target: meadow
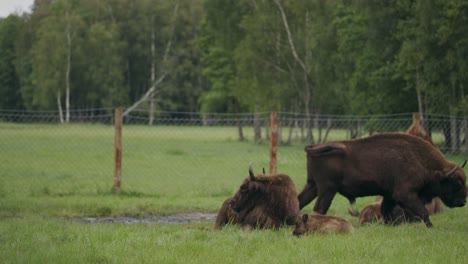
x,y
51,174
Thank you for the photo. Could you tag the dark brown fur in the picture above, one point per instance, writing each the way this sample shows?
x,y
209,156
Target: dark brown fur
x,y
324,224
404,169
225,215
263,202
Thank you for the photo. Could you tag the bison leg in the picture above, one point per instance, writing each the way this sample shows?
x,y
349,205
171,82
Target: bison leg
x,y
324,201
386,208
307,195
417,208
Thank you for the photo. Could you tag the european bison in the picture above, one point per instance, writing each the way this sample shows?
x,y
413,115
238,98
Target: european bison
x,y
372,212
404,169
324,224
262,201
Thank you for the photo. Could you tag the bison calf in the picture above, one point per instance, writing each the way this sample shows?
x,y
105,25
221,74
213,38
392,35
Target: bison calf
x,y
372,212
261,202
324,224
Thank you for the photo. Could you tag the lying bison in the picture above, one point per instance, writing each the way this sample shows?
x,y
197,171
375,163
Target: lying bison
x,y
261,202
372,212
324,224
404,169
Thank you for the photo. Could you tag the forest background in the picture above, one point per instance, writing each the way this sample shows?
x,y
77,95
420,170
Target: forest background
x,y
316,56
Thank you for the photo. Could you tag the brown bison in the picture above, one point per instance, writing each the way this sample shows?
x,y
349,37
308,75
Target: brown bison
x,y
372,212
404,169
324,224
262,201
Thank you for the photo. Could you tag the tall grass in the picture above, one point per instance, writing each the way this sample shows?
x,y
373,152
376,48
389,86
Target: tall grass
x,y
38,240
49,173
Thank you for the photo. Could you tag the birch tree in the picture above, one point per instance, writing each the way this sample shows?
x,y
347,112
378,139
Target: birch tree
x,y
53,58
151,91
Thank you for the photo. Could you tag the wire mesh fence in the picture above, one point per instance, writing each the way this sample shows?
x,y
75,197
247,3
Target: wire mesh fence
x,y
78,157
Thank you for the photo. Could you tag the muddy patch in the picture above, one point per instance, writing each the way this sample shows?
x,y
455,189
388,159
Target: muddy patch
x,y
175,218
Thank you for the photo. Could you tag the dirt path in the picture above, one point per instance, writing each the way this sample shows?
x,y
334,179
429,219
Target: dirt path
x,y
175,218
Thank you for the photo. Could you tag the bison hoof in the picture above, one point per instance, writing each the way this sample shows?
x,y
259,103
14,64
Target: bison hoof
x,y
429,224
297,234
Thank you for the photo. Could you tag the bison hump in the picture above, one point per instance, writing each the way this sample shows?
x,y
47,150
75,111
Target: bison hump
x,y
333,148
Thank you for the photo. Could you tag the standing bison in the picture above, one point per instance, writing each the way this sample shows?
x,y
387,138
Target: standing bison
x,y
404,169
261,202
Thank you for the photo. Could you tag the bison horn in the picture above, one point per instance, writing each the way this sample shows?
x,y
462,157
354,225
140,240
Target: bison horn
x,y
452,171
251,174
463,164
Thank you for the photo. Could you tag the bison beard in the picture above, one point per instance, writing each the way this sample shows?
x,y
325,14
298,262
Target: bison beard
x,y
404,169
262,201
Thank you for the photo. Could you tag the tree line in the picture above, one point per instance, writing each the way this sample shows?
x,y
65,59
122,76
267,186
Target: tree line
x,y
226,56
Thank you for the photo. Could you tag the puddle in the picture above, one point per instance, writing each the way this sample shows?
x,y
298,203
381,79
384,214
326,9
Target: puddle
x,y
175,218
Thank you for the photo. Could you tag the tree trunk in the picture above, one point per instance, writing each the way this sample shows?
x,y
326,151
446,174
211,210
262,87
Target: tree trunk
x,y
307,88
305,69
59,105
291,129
241,131
465,137
446,130
151,91
153,73
419,95
239,121
68,70
257,128
329,126
317,125
308,123
455,135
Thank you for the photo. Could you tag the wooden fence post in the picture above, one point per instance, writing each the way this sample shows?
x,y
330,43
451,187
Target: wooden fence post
x,y
118,149
273,141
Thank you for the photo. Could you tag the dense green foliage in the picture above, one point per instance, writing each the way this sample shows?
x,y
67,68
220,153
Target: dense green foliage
x,y
354,57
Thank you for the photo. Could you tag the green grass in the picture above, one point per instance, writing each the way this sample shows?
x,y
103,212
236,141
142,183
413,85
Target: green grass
x,y
61,170
49,240
49,173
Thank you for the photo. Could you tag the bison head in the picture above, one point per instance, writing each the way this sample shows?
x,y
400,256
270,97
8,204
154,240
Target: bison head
x,y
301,225
453,189
249,192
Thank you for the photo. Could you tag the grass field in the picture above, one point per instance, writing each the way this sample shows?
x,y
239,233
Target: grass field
x,y
49,173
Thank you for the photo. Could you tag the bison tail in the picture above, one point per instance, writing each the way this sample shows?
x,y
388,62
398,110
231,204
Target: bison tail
x,y
354,212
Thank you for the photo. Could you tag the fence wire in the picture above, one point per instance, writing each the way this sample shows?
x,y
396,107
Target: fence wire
x,y
78,157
